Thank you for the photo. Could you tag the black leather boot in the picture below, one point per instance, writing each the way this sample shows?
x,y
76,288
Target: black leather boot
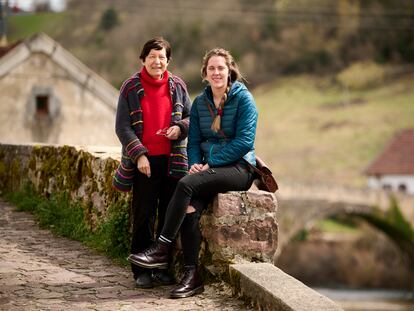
x,y
191,284
155,256
144,280
162,277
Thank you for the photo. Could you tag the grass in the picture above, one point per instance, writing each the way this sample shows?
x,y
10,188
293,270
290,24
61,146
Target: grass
x,y
22,26
65,217
57,213
334,226
312,130
328,225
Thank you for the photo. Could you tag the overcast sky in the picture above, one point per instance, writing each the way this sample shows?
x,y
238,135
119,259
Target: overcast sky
x,y
56,5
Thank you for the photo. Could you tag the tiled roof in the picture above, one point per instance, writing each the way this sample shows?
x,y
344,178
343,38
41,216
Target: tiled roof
x,y
5,49
397,158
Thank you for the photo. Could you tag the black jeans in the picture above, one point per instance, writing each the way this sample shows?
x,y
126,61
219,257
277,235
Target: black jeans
x,y
191,233
200,188
150,198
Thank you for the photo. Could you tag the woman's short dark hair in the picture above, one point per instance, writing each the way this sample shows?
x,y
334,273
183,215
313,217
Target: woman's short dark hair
x,y
157,43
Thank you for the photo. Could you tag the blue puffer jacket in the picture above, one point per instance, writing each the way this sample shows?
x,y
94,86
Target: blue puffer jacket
x,y
238,123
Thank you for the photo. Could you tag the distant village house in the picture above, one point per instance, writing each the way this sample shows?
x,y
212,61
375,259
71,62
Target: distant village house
x,y
393,169
47,95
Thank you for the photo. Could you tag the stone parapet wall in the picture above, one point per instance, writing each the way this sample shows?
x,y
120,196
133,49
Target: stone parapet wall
x,y
50,169
239,226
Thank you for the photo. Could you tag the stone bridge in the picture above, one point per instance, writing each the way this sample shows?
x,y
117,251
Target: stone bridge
x,y
240,229
301,206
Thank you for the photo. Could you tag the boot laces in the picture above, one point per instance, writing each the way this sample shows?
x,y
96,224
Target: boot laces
x,y
152,249
186,276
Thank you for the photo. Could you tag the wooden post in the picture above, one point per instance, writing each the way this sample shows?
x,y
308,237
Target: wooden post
x,y
3,22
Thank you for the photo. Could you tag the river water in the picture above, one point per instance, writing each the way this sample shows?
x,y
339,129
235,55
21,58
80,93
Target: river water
x,y
370,300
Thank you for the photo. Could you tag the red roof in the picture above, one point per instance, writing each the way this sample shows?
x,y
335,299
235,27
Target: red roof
x,y
5,49
397,158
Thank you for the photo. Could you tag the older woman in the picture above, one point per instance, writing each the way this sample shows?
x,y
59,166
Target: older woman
x,y
221,139
152,124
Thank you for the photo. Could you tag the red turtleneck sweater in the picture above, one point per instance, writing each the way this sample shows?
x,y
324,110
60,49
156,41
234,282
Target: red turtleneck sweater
x,y
156,112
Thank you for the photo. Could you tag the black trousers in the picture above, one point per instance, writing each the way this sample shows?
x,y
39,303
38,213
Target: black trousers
x,y
150,198
198,190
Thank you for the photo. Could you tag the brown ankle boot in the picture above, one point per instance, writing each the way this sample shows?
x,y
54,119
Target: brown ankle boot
x,y
191,284
155,256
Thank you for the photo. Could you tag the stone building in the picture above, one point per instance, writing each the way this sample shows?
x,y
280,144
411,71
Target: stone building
x,y
393,169
48,96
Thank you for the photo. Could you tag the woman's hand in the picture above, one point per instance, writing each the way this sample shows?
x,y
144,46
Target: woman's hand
x,y
173,132
143,165
195,168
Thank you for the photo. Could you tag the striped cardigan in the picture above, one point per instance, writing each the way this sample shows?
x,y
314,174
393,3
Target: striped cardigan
x,y
129,127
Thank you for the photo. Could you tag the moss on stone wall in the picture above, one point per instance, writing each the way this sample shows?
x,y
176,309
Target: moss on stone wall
x,y
112,194
60,164
53,169
3,170
14,175
74,192
32,163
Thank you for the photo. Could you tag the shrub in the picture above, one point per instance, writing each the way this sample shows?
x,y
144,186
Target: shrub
x,y
361,75
109,19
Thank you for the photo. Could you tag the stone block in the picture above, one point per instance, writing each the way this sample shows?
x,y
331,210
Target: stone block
x,y
241,225
271,289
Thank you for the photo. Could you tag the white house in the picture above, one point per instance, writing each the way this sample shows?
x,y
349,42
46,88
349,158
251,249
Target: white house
x,y
47,95
393,169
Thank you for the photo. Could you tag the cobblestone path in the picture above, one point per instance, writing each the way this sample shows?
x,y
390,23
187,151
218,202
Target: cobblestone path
x,y
39,271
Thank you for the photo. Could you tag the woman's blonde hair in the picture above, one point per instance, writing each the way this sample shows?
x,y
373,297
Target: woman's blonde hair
x,y
234,75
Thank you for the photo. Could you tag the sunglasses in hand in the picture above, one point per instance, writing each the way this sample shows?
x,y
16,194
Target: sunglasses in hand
x,y
162,132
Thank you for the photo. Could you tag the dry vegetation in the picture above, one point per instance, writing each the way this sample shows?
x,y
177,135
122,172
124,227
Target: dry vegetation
x,y
315,130
268,37
320,69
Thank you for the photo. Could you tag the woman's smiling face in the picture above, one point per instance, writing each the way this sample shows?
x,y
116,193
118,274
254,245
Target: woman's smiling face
x,y
156,63
217,72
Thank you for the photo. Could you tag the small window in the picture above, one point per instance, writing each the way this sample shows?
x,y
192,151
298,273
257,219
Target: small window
x,y
402,188
42,105
386,187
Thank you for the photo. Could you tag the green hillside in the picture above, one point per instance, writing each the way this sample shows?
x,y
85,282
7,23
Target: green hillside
x,y
266,37
22,26
312,130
